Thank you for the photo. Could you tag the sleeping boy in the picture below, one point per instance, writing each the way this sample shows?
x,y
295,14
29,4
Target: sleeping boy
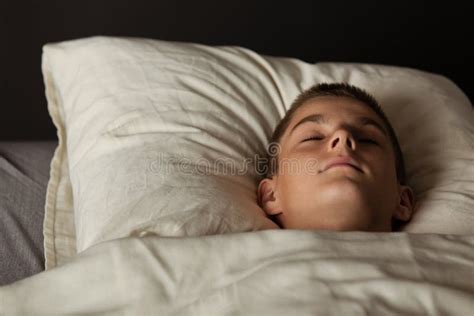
x,y
349,173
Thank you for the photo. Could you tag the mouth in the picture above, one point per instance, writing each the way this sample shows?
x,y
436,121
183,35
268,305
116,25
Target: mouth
x,y
346,162
343,165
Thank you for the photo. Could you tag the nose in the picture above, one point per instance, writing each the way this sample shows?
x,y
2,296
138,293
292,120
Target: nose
x,y
342,138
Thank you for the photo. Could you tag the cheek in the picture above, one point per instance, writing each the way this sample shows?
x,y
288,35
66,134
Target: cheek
x,y
384,177
296,188
300,163
297,170
297,176
384,168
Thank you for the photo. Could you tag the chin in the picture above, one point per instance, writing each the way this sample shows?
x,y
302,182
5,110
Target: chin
x,y
343,227
337,226
342,185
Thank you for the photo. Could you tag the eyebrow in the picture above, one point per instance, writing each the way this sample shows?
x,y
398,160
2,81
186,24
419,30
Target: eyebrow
x,y
321,119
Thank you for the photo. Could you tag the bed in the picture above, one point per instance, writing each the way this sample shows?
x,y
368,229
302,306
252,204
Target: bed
x,y
24,169
133,210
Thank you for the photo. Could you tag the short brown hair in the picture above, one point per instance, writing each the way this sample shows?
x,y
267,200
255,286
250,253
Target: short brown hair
x,y
336,90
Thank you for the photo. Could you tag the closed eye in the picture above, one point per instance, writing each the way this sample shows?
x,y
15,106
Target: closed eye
x,y
368,141
312,138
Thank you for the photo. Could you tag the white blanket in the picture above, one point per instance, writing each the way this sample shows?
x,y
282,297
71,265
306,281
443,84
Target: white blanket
x,y
272,272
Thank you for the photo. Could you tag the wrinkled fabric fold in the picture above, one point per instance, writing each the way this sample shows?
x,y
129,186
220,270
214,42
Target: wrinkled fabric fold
x,y
272,272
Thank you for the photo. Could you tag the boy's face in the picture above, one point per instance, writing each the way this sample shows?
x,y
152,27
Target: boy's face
x,y
336,172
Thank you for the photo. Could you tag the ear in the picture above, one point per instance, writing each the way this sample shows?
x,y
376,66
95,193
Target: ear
x,y
405,205
267,198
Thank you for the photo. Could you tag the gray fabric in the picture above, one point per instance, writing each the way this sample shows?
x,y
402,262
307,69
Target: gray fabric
x,y
24,174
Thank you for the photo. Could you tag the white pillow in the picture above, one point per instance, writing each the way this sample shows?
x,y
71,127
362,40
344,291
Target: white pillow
x,y
139,120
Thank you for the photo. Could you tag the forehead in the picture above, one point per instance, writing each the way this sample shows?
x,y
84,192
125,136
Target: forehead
x,y
334,109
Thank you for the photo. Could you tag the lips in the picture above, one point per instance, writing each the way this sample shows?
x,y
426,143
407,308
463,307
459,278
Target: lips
x,y
341,161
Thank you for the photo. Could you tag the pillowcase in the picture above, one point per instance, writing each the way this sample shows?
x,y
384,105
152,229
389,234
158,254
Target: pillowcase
x,y
161,137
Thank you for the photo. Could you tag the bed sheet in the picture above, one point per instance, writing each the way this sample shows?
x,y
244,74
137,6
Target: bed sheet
x,y
271,272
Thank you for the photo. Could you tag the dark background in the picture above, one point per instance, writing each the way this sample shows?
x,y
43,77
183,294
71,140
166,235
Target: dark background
x,y
423,35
